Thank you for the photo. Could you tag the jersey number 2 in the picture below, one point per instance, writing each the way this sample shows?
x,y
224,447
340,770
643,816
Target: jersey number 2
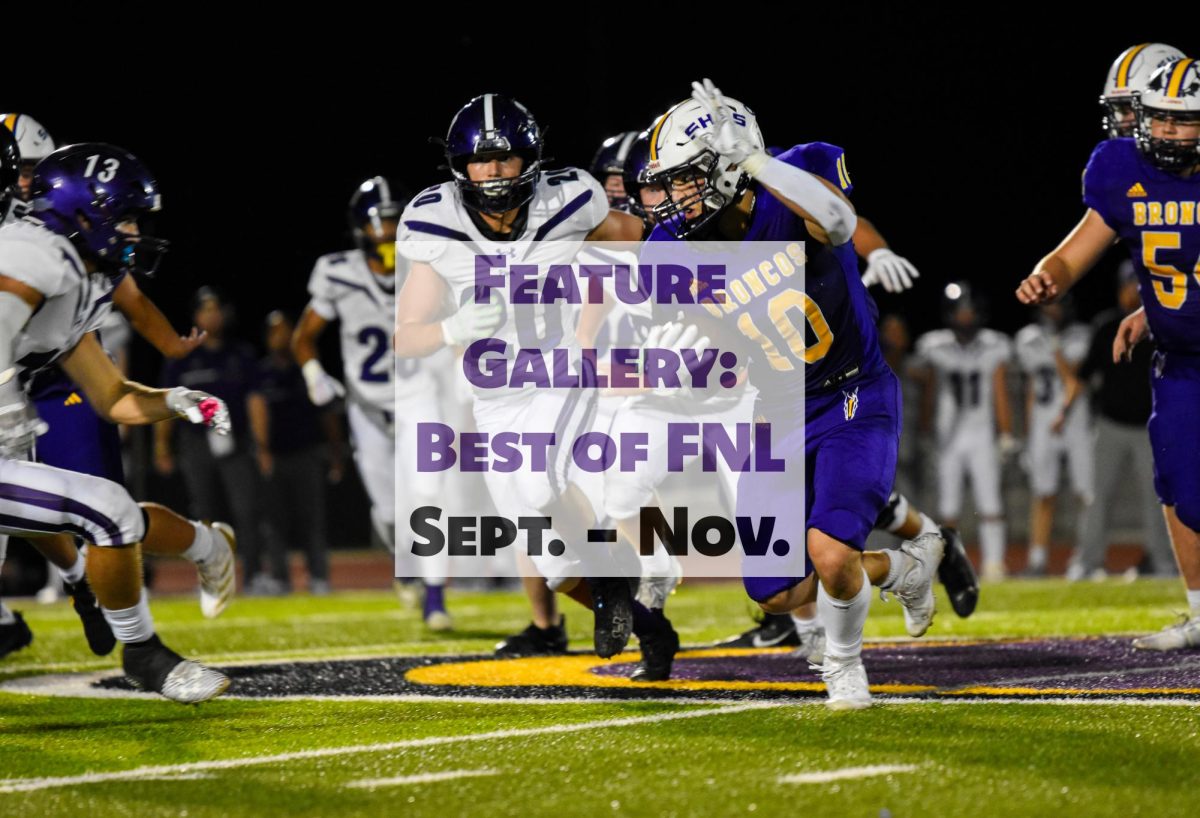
x,y
377,338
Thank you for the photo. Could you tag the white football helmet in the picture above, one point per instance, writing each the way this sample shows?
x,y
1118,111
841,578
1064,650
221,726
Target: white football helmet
x,y
34,141
1128,75
1172,94
679,160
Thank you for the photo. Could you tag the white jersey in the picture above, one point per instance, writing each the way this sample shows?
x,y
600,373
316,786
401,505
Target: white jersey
x,y
567,204
1035,348
344,289
76,301
966,400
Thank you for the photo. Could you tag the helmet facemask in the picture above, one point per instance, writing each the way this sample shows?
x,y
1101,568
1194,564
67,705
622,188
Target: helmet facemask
x,y
1119,119
496,196
699,177
1168,154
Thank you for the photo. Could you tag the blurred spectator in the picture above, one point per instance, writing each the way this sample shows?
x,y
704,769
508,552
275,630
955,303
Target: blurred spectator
x,y
1058,426
896,343
288,437
213,464
1121,398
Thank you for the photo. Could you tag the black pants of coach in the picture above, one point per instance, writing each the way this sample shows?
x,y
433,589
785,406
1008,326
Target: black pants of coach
x,y
215,484
296,508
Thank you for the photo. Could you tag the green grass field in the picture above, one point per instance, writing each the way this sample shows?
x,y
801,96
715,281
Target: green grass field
x,y
81,756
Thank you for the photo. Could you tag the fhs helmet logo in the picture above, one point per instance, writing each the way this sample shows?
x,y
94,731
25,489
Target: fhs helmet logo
x,y
850,404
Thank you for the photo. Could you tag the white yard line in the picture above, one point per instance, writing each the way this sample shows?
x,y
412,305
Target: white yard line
x,y
14,785
847,773
423,778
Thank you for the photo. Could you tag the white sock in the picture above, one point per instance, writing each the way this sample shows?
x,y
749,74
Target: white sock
x,y
131,624
894,566
1193,598
928,526
75,572
991,541
1037,557
6,616
899,514
202,544
844,620
806,625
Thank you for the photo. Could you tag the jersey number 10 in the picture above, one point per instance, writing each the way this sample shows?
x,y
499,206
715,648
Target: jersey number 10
x,y
779,310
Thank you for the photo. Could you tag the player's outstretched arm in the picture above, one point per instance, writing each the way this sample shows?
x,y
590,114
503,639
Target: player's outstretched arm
x,y
1078,253
123,401
322,387
890,271
419,305
148,321
618,226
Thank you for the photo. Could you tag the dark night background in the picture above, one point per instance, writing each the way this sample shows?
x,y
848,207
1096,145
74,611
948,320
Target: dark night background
x,y
965,136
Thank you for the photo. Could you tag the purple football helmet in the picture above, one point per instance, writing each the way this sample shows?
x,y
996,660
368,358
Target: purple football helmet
x,y
85,192
370,206
10,169
610,159
637,160
494,124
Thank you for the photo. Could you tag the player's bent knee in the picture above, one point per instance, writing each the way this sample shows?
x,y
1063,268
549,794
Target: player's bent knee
x,y
107,509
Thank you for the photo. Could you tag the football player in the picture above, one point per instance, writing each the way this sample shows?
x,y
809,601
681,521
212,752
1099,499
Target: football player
x,y
357,288
1143,191
710,160
501,201
608,168
965,371
1127,77
35,144
57,273
1050,351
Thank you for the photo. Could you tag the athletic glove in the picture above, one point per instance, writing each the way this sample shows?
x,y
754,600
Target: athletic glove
x,y
200,407
323,388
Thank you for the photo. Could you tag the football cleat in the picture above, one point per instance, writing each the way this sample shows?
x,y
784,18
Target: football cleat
x,y
994,572
217,574
15,635
658,653
774,630
612,605
95,627
439,621
812,646
1183,634
408,591
535,641
154,667
958,575
846,683
914,585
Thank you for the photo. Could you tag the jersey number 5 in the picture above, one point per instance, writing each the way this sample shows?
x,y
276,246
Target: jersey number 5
x,y
1170,283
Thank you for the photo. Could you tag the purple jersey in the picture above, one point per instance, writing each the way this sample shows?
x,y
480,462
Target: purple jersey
x,y
825,330
1154,212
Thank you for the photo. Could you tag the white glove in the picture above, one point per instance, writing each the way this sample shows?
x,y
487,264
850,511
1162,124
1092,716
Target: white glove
x,y
894,273
200,407
725,136
473,321
19,425
676,336
323,388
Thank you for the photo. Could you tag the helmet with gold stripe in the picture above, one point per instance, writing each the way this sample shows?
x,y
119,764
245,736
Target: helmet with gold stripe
x,y
1167,116
698,182
1128,76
